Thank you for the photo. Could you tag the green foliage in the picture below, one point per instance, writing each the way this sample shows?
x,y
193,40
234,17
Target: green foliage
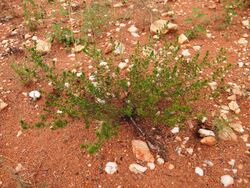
x,y
159,87
195,31
94,17
63,35
32,14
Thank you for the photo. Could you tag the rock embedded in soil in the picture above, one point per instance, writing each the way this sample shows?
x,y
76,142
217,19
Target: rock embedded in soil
x,y
199,171
141,151
209,141
43,46
237,126
3,105
35,95
19,168
205,132
182,39
137,169
227,134
151,166
160,161
227,180
162,26
111,168
234,107
175,130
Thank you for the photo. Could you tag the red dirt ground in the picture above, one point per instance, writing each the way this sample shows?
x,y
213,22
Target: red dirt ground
x,y
54,157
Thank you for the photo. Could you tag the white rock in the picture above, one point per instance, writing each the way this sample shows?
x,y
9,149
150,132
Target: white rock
x,y
122,65
185,53
226,180
3,105
242,41
160,161
199,171
111,168
162,26
182,39
78,48
213,85
133,29
190,151
43,46
19,168
246,24
237,126
19,133
196,48
205,132
151,166
26,36
234,107
175,130
231,162
209,163
137,169
34,94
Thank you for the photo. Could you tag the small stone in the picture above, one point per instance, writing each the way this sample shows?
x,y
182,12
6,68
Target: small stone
x,y
196,48
122,65
237,127
190,151
43,46
209,163
199,171
141,151
205,132
227,134
185,53
213,85
133,29
162,26
209,141
160,161
78,48
246,24
175,130
234,107
34,94
137,169
27,36
3,105
19,133
182,39
151,166
232,98
242,41
170,166
19,168
111,168
231,162
227,180
245,137
118,5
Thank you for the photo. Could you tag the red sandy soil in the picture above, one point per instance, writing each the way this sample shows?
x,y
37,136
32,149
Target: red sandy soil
x,y
54,157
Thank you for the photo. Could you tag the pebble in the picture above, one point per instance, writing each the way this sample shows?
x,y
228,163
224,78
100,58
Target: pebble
x,y
3,105
182,39
122,65
213,85
18,168
185,53
43,46
175,130
242,41
151,166
237,127
141,151
209,141
34,94
19,133
160,161
111,168
137,169
205,132
234,107
226,180
199,171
